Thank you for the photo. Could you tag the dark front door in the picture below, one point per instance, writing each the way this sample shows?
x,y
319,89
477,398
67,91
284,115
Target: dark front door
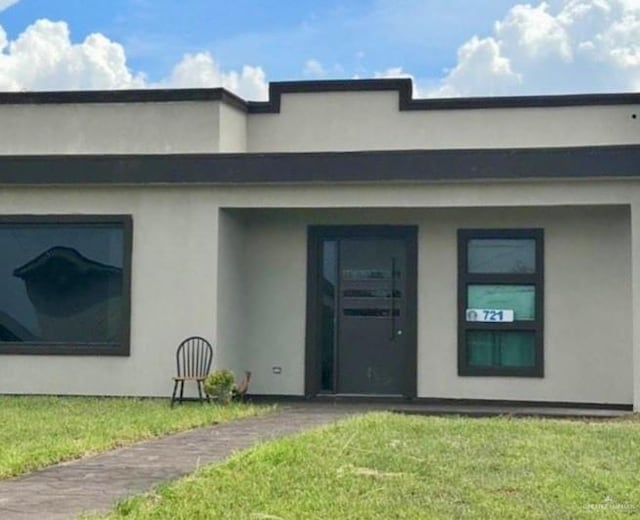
x,y
365,310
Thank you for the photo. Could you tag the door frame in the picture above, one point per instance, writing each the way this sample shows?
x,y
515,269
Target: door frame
x,y
313,345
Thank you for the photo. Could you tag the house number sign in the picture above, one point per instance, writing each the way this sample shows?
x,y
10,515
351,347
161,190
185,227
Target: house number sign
x,y
490,315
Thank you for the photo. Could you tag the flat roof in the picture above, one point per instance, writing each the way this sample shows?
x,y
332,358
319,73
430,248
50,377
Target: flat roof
x,y
403,86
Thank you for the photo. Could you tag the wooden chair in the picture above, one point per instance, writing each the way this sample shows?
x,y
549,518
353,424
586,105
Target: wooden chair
x,y
193,362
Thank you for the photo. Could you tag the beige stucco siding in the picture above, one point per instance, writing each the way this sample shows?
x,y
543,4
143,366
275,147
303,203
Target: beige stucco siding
x,y
110,128
233,125
208,260
635,292
276,265
587,270
321,121
588,333
173,290
341,121
232,293
429,195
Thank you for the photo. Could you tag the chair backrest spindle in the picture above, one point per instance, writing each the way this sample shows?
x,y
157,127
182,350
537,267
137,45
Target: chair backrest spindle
x,y
194,357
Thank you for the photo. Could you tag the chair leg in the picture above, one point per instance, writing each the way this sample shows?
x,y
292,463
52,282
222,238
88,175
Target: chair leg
x,y
200,392
181,400
173,395
206,395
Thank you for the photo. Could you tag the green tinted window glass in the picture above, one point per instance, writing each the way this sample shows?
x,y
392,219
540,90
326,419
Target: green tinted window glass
x,y
518,298
488,348
504,255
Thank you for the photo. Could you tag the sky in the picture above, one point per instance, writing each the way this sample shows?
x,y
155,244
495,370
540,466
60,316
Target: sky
x,y
450,48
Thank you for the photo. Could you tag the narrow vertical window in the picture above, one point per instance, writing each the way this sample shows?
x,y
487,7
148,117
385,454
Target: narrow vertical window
x,y
500,299
329,294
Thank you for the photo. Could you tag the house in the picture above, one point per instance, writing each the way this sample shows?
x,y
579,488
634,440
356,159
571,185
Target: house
x,y
339,238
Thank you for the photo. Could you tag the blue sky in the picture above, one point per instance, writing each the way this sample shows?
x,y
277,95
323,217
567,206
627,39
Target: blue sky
x,y
454,47
359,36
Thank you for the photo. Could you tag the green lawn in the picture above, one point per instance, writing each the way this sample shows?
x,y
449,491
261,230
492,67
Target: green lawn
x,y
386,466
38,431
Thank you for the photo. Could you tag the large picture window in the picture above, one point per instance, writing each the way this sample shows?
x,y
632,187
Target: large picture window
x,y
65,284
500,299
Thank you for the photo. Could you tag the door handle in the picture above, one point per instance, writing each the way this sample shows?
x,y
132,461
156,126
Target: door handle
x,y
399,332
393,290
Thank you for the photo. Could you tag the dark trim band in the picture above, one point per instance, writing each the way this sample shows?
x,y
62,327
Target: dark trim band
x,y
403,86
123,96
325,167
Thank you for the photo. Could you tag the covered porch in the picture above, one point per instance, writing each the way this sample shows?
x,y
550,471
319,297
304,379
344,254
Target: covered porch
x,y
588,355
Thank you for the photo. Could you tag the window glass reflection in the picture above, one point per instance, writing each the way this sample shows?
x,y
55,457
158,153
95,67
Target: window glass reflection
x,y
369,274
371,293
491,255
487,348
369,312
328,312
61,283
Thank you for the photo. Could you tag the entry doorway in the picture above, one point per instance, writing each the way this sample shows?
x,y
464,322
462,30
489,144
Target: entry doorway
x,y
361,316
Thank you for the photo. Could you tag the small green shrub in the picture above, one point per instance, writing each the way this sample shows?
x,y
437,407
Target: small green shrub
x,y
220,384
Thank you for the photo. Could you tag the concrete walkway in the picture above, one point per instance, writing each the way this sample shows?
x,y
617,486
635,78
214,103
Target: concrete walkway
x,y
96,483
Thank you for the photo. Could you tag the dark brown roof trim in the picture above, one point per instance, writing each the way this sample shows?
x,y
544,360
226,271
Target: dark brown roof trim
x,y
323,167
123,96
403,86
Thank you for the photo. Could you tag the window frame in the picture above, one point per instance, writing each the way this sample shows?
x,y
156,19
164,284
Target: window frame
x,y
536,279
122,348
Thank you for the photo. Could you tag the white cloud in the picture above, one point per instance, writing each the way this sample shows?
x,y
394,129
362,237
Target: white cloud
x,y
398,72
564,46
481,69
5,4
393,72
43,57
201,70
314,68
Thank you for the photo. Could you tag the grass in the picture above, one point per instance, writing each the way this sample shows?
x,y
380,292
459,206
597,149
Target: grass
x,y
384,466
39,431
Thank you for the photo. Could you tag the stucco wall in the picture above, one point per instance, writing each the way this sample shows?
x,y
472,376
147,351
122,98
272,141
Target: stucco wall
x,y
109,128
322,121
232,287
233,126
274,333
371,121
184,243
588,333
173,290
587,307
